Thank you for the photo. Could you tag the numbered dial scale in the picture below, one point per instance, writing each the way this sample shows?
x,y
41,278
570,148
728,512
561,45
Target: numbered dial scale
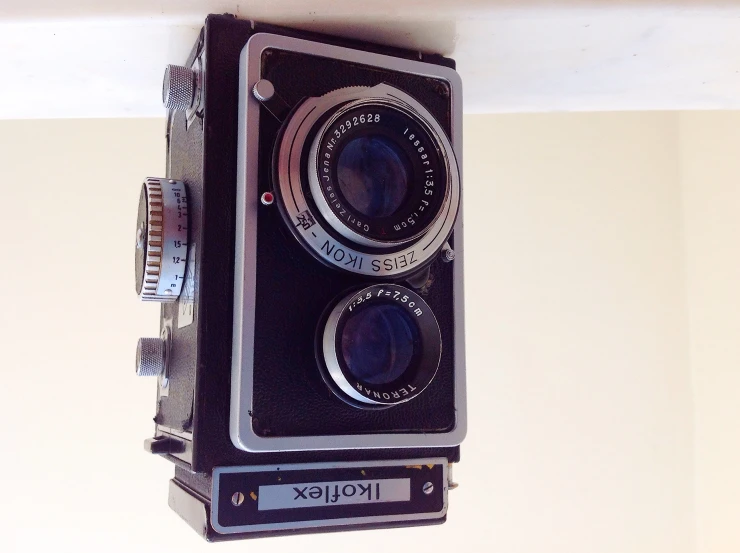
x,y
161,240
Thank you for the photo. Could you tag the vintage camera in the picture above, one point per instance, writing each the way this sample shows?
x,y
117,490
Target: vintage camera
x,y
306,246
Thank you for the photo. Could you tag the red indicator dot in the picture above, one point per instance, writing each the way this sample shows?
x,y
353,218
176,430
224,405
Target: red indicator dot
x,y
268,198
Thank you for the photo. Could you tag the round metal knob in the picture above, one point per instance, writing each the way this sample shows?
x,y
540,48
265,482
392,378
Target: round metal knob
x,y
263,90
161,240
150,356
178,88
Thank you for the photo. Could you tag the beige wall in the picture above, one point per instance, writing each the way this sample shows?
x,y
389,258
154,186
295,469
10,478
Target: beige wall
x,y
73,413
710,169
581,432
578,243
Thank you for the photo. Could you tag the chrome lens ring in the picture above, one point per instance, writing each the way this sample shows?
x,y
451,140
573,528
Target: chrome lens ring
x,y
427,160
329,241
380,346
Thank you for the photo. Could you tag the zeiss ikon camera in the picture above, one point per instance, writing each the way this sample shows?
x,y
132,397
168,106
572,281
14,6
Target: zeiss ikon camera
x,y
306,246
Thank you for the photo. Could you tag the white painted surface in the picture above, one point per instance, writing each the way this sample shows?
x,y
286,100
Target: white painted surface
x,y
710,167
578,373
580,406
88,58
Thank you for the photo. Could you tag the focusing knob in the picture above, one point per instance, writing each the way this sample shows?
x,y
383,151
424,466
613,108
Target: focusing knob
x,y
150,358
161,240
178,88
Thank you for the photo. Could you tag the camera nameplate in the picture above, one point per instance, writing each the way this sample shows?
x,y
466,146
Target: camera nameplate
x,y
286,497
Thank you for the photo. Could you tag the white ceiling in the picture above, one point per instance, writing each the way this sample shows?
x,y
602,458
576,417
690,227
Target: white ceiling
x,y
88,58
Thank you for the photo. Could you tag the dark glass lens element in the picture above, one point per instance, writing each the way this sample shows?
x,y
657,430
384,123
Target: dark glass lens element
x,y
379,343
379,175
378,346
373,174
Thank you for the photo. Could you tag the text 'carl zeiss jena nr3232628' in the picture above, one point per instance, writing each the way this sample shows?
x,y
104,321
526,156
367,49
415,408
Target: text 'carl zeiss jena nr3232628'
x,y
306,246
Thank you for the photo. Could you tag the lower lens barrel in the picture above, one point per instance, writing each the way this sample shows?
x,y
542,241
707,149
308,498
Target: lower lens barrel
x,y
380,346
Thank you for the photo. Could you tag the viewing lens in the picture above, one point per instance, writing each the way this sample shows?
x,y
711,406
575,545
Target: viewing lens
x,y
379,346
379,342
373,174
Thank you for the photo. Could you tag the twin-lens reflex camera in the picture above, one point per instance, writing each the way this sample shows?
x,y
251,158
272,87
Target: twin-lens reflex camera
x,y
306,247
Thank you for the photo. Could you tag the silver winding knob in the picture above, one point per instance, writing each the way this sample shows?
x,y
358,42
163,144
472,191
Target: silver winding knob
x,y
150,357
161,240
178,88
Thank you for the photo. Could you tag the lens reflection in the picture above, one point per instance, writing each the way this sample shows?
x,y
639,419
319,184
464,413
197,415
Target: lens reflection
x,y
373,174
378,343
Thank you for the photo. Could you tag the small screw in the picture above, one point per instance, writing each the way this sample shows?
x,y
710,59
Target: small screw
x,y
263,90
168,292
140,237
448,254
237,499
267,198
428,488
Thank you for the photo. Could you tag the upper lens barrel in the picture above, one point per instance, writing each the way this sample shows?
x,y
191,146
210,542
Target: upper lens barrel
x,y
374,175
378,176
367,181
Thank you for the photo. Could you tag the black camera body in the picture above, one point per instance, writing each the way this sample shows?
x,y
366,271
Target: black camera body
x,y
311,362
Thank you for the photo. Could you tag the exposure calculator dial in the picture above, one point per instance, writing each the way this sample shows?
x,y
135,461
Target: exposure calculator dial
x,y
161,240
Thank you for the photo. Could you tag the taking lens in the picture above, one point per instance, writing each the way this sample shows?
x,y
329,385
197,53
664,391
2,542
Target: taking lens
x,y
379,346
373,175
379,177
367,180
